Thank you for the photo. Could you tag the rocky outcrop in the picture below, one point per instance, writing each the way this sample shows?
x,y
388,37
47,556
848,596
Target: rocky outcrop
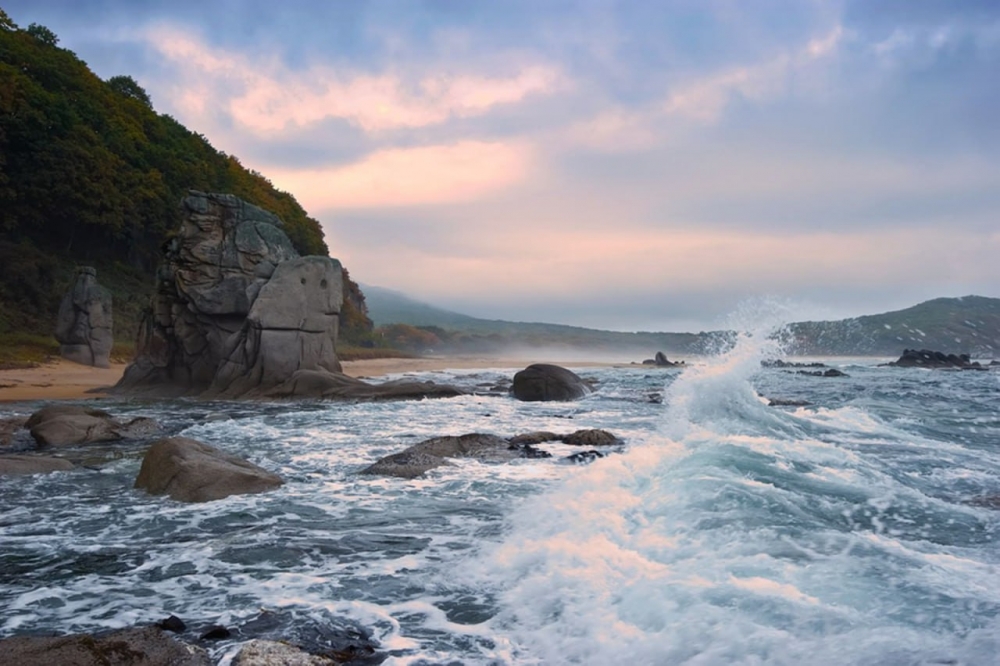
x,y
544,382
214,270
146,646
292,325
68,425
926,358
273,653
338,386
661,361
17,465
190,471
435,452
83,325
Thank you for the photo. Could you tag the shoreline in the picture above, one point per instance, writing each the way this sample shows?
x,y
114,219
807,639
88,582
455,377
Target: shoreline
x,y
64,380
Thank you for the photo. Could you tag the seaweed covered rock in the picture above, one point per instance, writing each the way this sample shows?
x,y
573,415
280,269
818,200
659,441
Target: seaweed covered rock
x,y
84,322
544,382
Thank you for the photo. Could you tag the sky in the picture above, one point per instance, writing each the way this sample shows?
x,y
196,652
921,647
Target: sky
x,y
622,165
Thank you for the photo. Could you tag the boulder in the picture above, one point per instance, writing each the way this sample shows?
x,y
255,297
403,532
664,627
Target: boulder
x,y
338,386
213,269
83,325
146,646
435,452
544,382
16,465
9,427
68,425
292,325
925,358
190,471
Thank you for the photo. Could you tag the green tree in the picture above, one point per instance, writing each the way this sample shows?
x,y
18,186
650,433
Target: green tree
x,y
129,87
5,21
43,34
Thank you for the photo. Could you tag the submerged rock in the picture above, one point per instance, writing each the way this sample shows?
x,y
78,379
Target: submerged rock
x,y
146,646
545,382
190,471
16,465
83,325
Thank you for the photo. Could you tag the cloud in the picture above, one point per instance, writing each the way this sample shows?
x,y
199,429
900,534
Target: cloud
x,y
391,178
266,96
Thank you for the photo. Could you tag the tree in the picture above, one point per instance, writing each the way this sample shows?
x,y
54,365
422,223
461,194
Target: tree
x,y
129,87
42,34
5,22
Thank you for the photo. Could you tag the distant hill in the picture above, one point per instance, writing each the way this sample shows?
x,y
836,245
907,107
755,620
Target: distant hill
x,y
955,325
969,325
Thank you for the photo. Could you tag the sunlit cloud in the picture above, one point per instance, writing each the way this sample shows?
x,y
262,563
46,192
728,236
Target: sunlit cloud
x,y
414,176
270,97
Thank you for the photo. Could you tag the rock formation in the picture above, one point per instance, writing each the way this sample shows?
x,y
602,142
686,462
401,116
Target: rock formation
x,y
542,381
204,328
17,464
338,386
925,358
435,452
146,646
68,425
190,471
83,325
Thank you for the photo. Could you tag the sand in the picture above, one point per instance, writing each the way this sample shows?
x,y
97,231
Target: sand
x,y
64,380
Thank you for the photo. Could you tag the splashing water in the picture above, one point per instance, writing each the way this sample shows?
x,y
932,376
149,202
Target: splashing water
x,y
741,534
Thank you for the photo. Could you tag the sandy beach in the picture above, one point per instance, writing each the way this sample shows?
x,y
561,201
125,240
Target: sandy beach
x,y
64,380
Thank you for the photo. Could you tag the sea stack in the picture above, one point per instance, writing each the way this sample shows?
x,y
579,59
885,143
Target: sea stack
x,y
83,325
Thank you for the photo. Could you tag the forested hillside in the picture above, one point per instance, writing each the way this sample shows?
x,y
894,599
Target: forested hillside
x,y
91,174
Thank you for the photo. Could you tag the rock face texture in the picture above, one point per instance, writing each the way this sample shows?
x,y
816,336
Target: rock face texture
x,y
292,325
83,325
541,381
147,646
215,323
190,471
68,425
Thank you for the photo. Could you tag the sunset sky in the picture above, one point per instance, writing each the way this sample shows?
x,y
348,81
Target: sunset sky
x,y
625,165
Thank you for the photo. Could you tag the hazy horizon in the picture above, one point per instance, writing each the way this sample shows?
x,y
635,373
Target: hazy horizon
x,y
636,166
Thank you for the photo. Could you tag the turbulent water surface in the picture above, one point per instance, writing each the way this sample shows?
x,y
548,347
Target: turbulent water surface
x,y
848,531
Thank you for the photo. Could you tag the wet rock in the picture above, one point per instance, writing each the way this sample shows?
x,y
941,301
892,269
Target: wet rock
x,y
215,633
190,471
338,386
331,640
533,438
172,624
546,382
147,646
274,653
778,363
829,372
591,437
68,425
529,451
584,457
83,325
16,465
434,452
787,402
925,358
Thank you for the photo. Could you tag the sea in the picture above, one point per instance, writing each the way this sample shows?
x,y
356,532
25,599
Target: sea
x,y
860,528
